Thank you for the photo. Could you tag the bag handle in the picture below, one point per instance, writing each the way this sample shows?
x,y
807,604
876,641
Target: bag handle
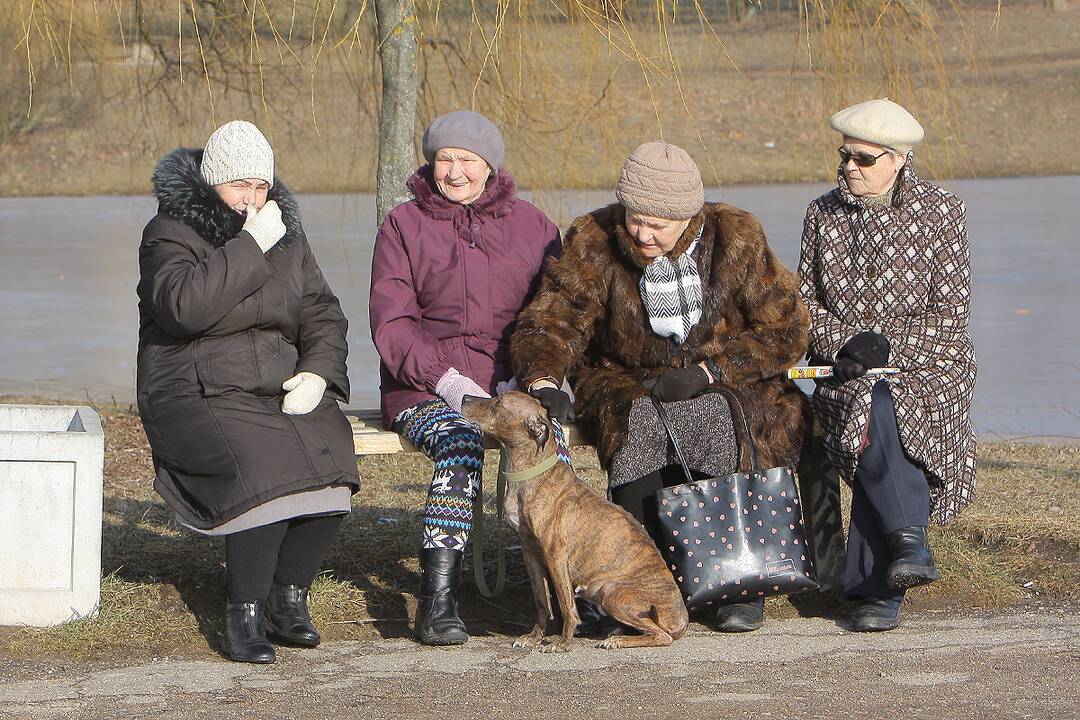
x,y
733,404
666,422
736,407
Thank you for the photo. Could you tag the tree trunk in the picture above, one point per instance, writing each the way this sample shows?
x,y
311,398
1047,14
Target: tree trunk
x,y
396,26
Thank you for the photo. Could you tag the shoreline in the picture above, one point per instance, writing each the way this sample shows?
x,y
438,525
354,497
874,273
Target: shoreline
x,y
532,191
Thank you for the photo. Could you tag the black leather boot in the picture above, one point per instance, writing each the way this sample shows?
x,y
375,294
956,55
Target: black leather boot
x,y
912,562
875,614
437,621
245,634
287,616
740,617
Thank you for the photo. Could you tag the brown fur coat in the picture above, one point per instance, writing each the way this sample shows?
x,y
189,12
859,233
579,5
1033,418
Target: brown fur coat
x,y
587,323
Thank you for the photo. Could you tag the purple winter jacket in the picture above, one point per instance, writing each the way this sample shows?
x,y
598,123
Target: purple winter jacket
x,y
447,283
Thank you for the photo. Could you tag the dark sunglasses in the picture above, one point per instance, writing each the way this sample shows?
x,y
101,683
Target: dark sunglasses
x,y
861,159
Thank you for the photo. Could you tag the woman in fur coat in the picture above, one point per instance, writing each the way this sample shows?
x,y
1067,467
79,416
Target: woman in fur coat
x,y
241,364
885,272
450,271
663,294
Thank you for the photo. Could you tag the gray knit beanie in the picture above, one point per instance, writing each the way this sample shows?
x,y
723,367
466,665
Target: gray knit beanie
x,y
236,151
467,130
661,180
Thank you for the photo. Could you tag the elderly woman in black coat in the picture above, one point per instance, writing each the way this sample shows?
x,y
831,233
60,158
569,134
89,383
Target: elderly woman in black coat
x,y
241,361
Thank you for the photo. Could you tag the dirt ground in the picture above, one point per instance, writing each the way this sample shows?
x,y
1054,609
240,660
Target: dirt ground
x,y
998,90
1021,663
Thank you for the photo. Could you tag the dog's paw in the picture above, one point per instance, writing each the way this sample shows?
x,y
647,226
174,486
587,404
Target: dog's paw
x,y
529,640
559,646
611,642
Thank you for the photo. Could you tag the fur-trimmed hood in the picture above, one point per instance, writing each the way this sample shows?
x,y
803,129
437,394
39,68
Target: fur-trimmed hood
x,y
496,200
184,195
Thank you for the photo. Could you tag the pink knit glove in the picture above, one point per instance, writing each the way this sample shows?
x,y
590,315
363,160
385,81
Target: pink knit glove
x,y
453,386
305,390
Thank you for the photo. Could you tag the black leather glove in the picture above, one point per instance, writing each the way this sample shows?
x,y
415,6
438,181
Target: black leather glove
x,y
558,404
846,369
680,384
870,349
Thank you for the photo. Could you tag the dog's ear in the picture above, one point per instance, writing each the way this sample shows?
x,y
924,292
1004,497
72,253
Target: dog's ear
x,y
538,427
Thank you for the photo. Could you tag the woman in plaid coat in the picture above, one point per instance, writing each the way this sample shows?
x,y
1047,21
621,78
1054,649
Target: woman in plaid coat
x,y
885,273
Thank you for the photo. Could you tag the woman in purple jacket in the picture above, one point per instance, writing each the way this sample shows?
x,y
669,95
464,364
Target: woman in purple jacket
x,y
450,271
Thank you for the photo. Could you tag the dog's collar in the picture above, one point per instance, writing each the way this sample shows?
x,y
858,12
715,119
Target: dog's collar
x,y
529,473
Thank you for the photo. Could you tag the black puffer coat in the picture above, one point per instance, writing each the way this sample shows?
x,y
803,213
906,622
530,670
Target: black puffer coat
x,y
221,327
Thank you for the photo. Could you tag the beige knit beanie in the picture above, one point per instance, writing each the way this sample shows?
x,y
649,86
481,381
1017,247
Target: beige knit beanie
x,y
236,151
661,180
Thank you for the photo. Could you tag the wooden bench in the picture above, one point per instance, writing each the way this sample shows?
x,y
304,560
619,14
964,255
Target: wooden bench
x,y
371,437
819,485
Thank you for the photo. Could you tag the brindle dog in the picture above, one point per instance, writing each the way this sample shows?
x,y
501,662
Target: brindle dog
x,y
576,539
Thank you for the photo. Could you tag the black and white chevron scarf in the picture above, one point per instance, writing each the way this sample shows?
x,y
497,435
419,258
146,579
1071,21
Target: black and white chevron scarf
x,y
671,294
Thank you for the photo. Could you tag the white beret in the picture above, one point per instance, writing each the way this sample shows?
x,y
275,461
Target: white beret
x,y
879,121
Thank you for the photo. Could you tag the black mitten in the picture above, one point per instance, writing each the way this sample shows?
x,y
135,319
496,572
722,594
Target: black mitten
x,y
558,404
680,384
870,349
847,369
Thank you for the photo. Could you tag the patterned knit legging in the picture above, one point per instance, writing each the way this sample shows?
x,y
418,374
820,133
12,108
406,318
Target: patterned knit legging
x,y
457,449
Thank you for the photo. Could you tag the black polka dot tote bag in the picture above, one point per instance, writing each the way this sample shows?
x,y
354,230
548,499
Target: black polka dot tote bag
x,y
736,538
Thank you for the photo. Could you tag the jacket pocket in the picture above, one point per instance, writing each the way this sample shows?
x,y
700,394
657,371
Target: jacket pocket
x,y
226,364
276,359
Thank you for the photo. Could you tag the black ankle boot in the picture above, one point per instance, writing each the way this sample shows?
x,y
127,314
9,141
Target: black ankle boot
x,y
287,616
245,634
912,563
875,614
740,617
437,621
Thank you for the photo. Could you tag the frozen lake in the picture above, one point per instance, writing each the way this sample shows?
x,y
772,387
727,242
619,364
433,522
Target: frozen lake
x,y
68,271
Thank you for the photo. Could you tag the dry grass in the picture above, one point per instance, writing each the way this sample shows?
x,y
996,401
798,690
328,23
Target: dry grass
x,y
163,589
750,107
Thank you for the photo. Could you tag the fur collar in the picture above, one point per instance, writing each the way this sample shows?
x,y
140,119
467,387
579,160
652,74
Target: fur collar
x,y
496,200
184,195
630,249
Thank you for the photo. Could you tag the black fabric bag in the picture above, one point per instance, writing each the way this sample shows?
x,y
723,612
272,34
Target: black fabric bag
x,y
736,538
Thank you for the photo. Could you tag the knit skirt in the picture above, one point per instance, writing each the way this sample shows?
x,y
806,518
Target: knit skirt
x,y
703,426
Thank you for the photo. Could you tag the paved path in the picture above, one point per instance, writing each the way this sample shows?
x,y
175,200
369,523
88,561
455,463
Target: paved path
x,y
1002,665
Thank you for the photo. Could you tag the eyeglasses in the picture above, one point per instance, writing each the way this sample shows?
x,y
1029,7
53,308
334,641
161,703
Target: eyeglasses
x,y
861,159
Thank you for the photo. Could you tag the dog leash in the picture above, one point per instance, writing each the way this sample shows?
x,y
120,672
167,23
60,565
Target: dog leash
x,y
505,476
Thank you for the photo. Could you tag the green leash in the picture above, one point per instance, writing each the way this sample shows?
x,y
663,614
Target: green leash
x,y
505,476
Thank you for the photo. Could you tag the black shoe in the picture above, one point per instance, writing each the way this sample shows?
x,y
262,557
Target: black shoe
x,y
287,616
912,563
245,635
740,617
437,621
875,615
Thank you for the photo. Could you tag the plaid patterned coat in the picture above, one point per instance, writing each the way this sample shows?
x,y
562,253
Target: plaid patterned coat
x,y
901,270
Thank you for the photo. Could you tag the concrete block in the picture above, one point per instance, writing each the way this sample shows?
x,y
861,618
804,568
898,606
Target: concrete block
x,y
51,472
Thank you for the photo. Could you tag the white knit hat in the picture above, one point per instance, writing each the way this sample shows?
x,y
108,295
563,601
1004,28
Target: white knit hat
x,y
236,151
879,121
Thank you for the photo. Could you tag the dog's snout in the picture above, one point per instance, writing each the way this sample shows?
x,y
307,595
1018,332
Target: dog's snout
x,y
469,399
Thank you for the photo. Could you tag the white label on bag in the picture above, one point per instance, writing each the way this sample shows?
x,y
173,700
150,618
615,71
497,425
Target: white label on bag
x,y
780,567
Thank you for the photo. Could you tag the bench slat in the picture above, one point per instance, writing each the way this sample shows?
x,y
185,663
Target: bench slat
x,y
371,438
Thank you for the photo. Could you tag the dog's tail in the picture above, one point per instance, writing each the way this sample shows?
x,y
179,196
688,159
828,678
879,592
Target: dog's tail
x,y
674,624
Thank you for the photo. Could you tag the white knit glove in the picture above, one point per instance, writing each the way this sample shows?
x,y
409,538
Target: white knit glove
x,y
305,390
265,225
453,386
